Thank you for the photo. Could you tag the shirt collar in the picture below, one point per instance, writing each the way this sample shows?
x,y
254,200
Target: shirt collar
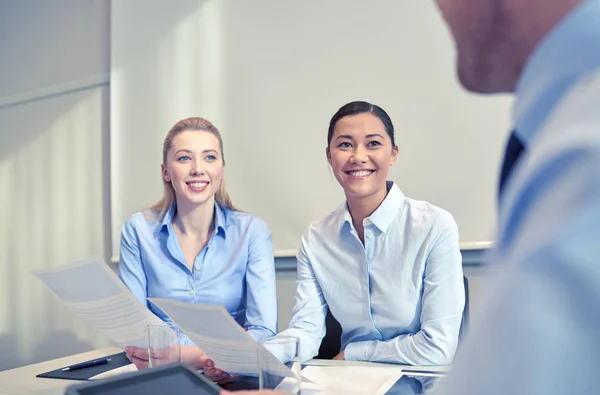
x,y
220,219
564,55
383,216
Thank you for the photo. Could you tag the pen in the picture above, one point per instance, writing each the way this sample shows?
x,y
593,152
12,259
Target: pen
x,y
87,364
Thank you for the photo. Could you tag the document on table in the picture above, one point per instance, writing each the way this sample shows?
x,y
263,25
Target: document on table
x,y
348,380
115,372
212,329
94,293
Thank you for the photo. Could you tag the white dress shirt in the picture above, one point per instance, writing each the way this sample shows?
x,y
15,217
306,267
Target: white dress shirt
x,y
399,297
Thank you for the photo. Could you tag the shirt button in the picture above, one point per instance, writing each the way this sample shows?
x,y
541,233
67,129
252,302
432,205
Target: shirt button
x,y
368,236
197,267
192,292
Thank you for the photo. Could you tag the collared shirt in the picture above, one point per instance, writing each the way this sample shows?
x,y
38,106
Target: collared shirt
x,y
540,330
235,269
399,297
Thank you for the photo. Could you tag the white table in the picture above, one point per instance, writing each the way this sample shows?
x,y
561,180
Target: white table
x,y
23,381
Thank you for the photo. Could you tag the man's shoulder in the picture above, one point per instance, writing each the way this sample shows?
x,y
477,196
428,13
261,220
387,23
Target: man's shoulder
x,y
572,132
577,116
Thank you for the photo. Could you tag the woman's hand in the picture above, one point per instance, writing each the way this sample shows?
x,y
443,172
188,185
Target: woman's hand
x,y
193,356
217,375
137,356
190,355
339,357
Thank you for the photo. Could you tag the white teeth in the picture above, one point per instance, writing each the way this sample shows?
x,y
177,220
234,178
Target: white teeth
x,y
198,184
360,173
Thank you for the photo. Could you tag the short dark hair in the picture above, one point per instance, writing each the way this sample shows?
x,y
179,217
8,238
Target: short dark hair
x,y
359,107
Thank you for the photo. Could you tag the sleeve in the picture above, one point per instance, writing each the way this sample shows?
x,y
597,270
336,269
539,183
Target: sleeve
x,y
442,305
261,293
131,268
539,331
310,309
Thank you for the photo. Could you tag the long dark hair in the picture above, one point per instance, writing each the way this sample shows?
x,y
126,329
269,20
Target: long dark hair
x,y
359,107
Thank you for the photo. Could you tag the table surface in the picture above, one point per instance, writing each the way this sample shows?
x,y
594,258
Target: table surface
x,y
23,381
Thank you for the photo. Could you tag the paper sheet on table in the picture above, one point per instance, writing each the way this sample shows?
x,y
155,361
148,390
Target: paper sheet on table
x,y
213,330
349,379
94,293
115,372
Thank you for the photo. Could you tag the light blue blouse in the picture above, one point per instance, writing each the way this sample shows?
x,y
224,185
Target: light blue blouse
x,y
235,269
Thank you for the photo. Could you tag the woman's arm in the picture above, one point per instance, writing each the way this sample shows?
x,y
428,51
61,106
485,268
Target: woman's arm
x,y
131,268
441,312
308,315
261,294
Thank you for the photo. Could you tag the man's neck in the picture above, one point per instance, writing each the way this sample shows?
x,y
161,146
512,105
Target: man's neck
x,y
531,22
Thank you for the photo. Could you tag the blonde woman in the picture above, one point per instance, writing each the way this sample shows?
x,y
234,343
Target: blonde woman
x,y
194,246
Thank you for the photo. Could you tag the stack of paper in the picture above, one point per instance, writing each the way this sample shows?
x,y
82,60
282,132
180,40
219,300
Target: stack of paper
x,y
348,380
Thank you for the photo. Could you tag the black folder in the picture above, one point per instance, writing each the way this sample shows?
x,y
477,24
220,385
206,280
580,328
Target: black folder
x,y
116,361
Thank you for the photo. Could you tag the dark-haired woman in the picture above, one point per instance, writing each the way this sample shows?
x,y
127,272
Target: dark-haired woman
x,y
388,267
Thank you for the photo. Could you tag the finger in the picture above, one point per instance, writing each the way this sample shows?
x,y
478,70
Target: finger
x,y
215,374
222,378
139,363
137,352
219,376
161,353
206,362
226,380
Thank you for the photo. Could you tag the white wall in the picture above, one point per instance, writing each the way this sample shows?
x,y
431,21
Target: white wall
x,y
270,74
54,107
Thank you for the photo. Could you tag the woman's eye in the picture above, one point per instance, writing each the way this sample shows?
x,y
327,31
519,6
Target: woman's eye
x,y
345,144
373,143
211,158
183,158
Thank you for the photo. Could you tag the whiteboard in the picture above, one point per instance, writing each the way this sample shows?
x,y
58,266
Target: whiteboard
x,y
270,74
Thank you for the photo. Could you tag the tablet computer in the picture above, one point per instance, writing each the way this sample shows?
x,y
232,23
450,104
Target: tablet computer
x,y
168,379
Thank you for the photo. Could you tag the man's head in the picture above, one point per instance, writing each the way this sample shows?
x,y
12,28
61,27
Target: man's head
x,y
494,38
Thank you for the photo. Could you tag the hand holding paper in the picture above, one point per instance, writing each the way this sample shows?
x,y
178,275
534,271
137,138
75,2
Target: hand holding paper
x,y
213,330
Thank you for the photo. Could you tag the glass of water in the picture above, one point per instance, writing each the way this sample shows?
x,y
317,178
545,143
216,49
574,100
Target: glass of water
x,y
272,372
164,344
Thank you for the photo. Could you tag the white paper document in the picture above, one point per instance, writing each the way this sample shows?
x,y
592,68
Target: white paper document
x,y
94,293
115,372
213,330
348,380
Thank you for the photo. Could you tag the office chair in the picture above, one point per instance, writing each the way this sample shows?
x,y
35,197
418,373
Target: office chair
x,y
464,325
332,342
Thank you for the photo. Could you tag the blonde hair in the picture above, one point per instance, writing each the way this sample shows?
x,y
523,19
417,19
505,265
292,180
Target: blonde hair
x,y
199,124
